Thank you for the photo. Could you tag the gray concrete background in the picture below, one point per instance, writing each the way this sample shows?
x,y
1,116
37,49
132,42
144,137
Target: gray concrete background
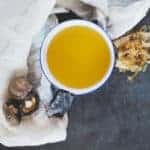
x,y
115,117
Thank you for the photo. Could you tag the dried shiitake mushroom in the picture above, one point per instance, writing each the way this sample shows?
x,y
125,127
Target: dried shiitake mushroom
x,y
19,88
15,109
22,100
29,104
12,111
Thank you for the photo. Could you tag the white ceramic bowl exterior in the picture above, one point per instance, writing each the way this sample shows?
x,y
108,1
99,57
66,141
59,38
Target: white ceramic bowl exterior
x,y
48,40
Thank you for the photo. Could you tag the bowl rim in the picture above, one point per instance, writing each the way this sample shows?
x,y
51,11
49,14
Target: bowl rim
x,y
49,38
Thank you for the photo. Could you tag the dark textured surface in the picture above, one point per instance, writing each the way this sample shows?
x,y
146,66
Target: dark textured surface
x,y
116,117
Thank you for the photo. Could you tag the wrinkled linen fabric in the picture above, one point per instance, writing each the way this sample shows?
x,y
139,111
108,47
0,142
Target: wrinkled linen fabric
x,y
116,16
21,21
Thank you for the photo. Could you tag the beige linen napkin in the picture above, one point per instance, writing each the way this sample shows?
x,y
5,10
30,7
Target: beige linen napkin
x,y
122,15
116,16
20,21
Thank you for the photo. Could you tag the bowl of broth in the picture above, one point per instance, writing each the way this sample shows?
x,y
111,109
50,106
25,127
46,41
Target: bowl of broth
x,y
77,56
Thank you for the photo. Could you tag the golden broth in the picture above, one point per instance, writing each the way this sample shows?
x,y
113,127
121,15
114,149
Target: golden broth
x,y
78,57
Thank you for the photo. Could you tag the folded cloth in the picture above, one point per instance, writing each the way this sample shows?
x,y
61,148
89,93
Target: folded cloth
x,y
116,16
20,22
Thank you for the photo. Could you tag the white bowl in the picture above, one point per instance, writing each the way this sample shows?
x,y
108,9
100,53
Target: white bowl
x,y
49,38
